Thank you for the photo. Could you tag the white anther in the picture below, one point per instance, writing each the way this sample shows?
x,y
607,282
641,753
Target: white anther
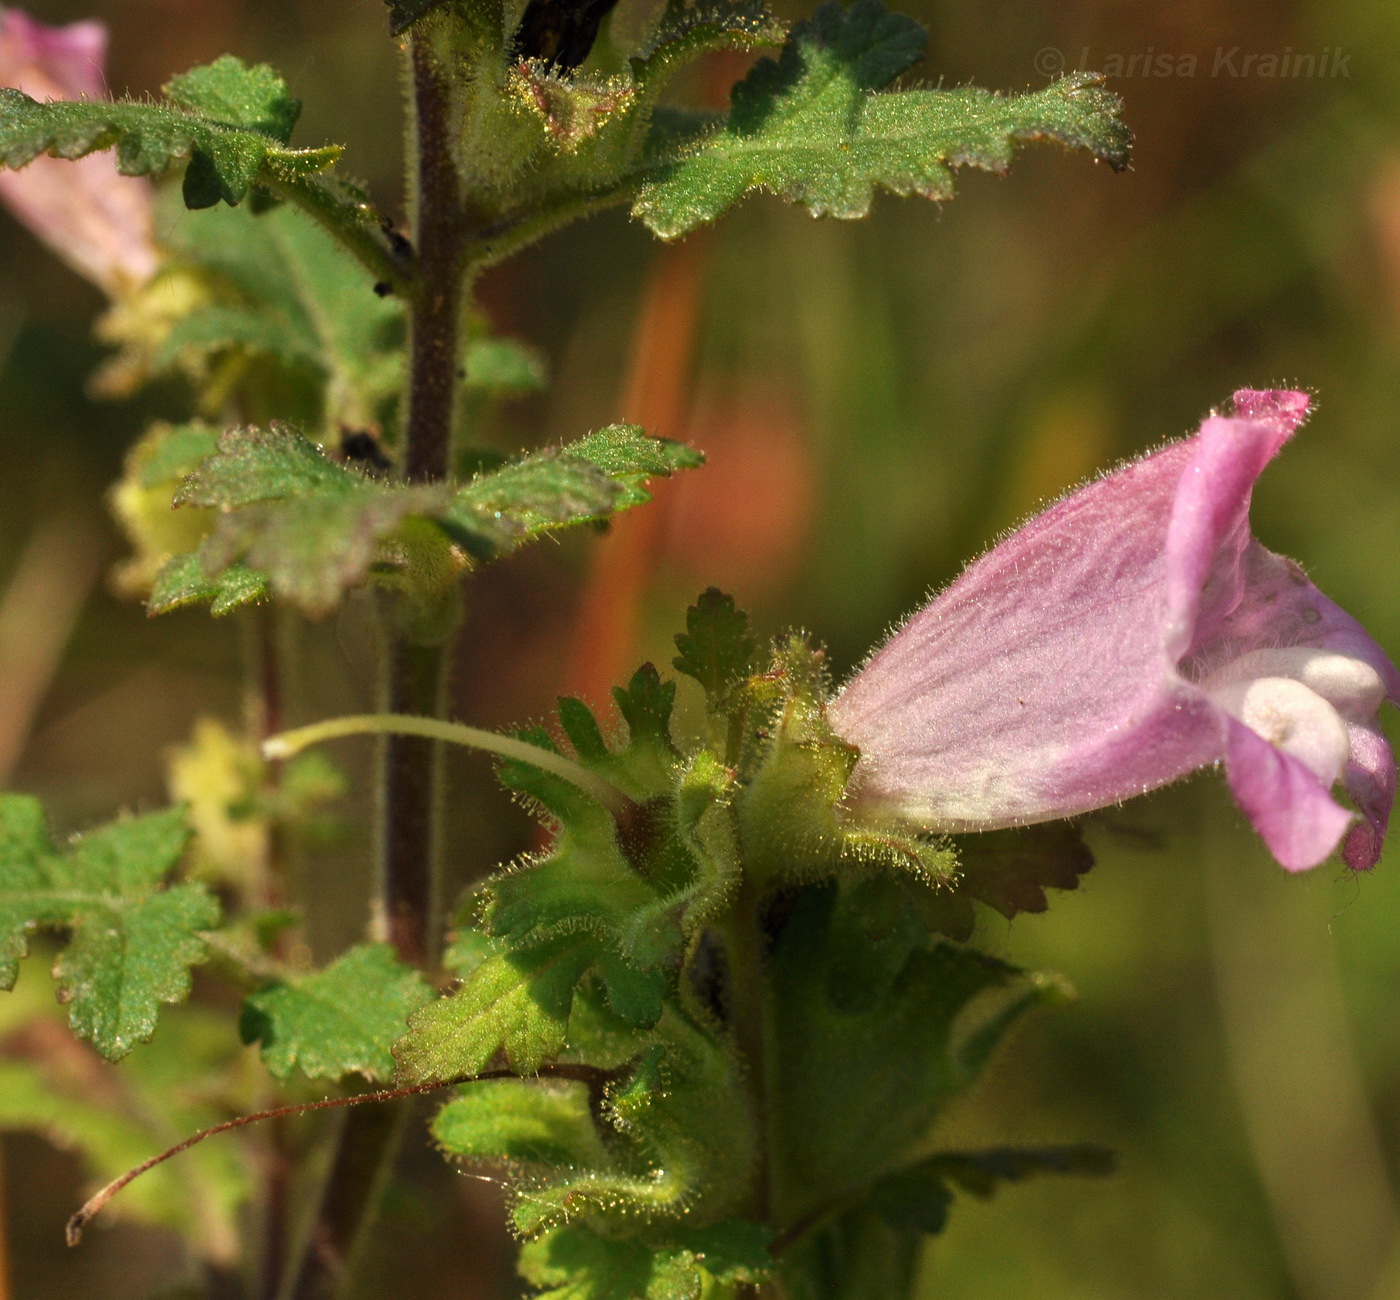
x,y
1291,717
1349,685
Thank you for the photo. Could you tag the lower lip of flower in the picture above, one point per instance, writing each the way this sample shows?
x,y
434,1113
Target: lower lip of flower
x,y
1299,699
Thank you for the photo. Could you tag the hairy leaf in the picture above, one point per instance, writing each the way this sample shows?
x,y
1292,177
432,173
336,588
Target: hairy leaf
x,y
315,526
717,648
574,1263
688,29
340,1020
941,1013
133,941
278,285
232,122
814,128
528,1123
1010,870
183,581
516,1003
920,1196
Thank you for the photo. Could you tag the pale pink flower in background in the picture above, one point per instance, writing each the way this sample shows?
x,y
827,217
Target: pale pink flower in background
x,y
99,222
1132,633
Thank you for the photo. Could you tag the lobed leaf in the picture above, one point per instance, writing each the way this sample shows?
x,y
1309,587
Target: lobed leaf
x,y
936,1014
184,581
132,941
814,127
515,1003
575,1263
718,648
919,1197
1010,870
230,121
309,526
340,1020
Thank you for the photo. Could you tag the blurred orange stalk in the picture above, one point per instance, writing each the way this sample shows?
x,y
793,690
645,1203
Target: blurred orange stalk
x,y
655,395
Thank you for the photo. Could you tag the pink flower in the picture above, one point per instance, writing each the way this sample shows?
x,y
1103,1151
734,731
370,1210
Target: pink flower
x,y
98,221
1130,634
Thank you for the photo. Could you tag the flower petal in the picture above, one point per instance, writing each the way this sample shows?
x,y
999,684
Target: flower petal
x,y
99,222
1044,681
1370,781
1290,808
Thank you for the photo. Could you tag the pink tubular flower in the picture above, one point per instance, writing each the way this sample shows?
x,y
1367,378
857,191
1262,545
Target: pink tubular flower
x,y
1134,632
98,221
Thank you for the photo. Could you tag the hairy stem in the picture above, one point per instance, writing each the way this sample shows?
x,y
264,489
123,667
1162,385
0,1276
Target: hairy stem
x,y
414,668
745,946
414,672
456,733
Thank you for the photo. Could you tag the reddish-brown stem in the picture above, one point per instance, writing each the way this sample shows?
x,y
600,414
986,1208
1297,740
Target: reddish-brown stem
x,y
580,1073
414,670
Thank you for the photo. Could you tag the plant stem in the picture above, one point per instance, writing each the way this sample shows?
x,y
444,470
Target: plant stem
x,y
748,1009
456,733
414,669
414,672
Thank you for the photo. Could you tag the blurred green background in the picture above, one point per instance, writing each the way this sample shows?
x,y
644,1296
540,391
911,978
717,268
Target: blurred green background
x,y
879,400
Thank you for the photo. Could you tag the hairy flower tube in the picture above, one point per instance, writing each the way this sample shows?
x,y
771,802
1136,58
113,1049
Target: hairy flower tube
x,y
1132,633
100,222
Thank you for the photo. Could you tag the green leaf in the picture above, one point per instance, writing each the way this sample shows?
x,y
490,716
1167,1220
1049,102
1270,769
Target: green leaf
x,y
340,1020
717,648
232,94
1010,870
688,30
939,1013
279,286
314,526
920,1196
531,1123
574,1263
814,128
516,1003
114,1119
132,941
178,452
232,123
643,888
183,581
504,368
583,481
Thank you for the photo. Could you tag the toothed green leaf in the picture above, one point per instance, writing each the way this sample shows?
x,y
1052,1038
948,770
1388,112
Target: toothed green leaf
x,y
132,939
230,121
717,648
315,526
341,1020
544,1123
183,581
936,1014
920,1196
816,127
516,1003
574,1263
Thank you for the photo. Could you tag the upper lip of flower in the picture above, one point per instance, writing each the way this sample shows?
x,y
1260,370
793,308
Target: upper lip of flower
x,y
1130,634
